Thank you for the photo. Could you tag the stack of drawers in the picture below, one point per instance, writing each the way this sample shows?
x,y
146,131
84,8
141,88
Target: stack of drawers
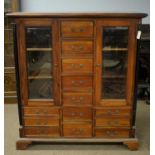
x,y
112,122
77,77
41,122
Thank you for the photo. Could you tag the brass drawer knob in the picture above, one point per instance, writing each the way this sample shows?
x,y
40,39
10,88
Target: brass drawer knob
x,y
41,131
81,98
73,114
111,133
77,30
81,81
81,114
112,123
81,65
73,98
72,65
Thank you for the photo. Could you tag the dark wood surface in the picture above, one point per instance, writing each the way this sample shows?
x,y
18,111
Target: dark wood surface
x,y
74,14
77,109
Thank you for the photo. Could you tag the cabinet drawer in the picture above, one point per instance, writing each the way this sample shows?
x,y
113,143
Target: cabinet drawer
x,y
77,130
112,111
113,122
71,114
77,29
82,83
39,121
77,47
112,133
75,99
77,66
41,132
41,111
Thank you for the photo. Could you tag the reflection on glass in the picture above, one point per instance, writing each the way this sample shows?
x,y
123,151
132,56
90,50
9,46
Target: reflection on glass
x,y
39,62
40,88
38,37
114,56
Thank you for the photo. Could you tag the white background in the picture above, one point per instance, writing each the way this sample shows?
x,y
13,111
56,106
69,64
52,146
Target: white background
x,y
87,6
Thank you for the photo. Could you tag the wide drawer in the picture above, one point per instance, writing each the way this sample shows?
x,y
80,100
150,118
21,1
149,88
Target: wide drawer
x,y
77,83
112,133
41,111
41,121
77,130
77,66
113,111
77,47
77,99
77,29
79,114
41,132
113,122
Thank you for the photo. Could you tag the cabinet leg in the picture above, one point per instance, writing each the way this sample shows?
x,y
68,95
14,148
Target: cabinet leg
x,y
23,144
132,145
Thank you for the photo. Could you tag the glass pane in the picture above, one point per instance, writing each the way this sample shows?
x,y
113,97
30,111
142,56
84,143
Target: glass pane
x,y
38,37
40,88
39,62
114,58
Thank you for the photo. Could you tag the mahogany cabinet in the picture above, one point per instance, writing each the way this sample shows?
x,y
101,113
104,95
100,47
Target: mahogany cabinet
x,y
76,77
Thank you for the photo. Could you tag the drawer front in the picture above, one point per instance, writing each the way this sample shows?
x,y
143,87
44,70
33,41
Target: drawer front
x,y
82,83
77,66
112,133
39,121
41,132
9,82
41,111
77,130
113,112
72,114
113,122
75,99
77,47
77,29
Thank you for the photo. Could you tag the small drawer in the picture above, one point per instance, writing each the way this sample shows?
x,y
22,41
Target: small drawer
x,y
77,99
77,130
79,114
112,133
77,83
112,111
41,132
113,122
41,111
77,29
77,47
77,66
41,121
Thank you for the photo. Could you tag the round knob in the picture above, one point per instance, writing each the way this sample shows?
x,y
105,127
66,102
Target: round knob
x,y
81,65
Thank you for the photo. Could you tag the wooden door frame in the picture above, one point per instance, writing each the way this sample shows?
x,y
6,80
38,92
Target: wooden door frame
x,y
22,23
132,25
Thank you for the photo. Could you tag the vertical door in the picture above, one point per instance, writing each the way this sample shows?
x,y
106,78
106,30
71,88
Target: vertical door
x,y
115,62
37,62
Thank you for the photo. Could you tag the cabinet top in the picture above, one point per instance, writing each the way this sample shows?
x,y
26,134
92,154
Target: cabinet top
x,y
75,14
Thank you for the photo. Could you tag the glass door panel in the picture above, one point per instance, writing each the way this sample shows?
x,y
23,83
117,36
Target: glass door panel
x,y
39,62
114,62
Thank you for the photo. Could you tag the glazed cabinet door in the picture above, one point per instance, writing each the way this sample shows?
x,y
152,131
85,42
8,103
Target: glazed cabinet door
x,y
38,62
115,62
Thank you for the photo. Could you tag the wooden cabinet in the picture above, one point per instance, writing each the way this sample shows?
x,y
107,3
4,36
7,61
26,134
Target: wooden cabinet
x,y
77,77
9,67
